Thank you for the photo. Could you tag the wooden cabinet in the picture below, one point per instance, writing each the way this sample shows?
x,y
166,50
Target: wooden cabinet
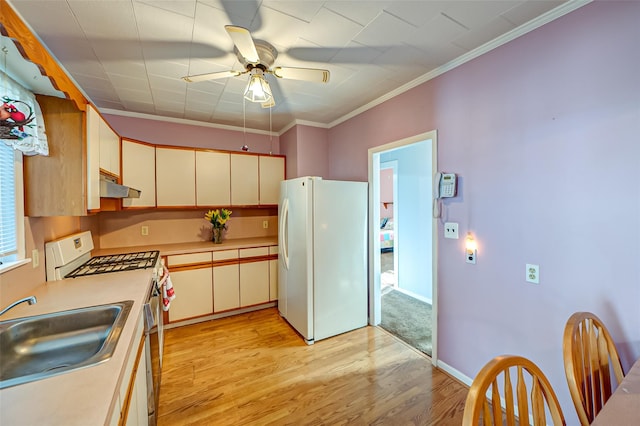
x,y
93,158
192,278
226,281
175,177
244,180
103,154
131,401
56,185
109,149
273,274
221,281
139,172
213,178
137,413
254,277
271,173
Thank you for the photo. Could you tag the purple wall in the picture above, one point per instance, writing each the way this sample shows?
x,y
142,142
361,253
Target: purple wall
x,y
306,151
289,147
169,133
543,132
313,142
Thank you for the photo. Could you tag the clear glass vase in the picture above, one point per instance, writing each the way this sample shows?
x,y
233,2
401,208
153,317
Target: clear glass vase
x,y
217,235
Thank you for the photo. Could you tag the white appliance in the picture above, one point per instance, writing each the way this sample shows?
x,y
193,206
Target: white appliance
x,y
322,264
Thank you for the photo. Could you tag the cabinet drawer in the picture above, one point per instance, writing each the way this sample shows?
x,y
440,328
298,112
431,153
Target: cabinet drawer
x,y
273,249
187,259
254,252
225,255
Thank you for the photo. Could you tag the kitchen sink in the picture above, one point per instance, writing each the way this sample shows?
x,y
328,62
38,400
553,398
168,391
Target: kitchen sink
x,y
37,347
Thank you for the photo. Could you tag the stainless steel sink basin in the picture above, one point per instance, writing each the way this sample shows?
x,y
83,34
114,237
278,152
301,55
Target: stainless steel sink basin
x,y
33,348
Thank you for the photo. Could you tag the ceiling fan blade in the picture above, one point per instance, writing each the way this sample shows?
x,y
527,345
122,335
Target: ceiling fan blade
x,y
306,74
244,43
211,76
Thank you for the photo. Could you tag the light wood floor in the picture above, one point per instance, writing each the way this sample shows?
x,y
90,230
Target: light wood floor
x,y
253,369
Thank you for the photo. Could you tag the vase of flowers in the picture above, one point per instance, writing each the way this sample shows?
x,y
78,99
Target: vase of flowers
x,y
218,220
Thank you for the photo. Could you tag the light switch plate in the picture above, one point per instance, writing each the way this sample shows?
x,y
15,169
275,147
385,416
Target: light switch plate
x,y
451,230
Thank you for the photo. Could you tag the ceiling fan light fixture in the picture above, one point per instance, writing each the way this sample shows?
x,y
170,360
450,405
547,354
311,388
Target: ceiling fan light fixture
x,y
258,89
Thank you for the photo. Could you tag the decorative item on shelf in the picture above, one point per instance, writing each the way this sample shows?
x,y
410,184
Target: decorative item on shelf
x,y
218,219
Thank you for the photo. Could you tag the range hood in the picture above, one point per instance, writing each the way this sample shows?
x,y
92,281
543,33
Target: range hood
x,y
110,189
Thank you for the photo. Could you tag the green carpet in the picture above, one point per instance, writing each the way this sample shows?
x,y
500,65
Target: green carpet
x,y
408,319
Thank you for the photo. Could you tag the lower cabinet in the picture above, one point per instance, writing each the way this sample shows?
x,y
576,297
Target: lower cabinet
x,y
273,274
194,294
226,288
254,277
137,415
221,281
254,283
131,407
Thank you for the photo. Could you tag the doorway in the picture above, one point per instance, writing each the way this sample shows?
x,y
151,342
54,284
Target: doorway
x,y
414,242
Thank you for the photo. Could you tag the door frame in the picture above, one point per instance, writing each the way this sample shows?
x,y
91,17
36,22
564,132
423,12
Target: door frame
x,y
374,153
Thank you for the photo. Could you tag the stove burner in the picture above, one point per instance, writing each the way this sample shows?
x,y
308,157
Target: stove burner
x,y
116,263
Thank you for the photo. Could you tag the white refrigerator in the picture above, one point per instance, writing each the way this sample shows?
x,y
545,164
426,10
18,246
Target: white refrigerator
x,y
322,262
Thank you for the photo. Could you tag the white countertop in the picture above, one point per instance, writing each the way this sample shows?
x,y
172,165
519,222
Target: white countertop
x,y
84,396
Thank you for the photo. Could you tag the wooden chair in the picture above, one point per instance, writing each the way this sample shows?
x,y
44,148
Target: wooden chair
x,y
497,376
590,356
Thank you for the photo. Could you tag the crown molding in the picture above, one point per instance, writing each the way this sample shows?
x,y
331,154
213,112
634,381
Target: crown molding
x,y
302,123
523,29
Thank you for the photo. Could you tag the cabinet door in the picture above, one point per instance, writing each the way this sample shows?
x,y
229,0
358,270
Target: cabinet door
x,y
254,283
194,294
175,177
244,180
226,287
138,414
213,178
93,158
109,149
273,280
271,174
139,172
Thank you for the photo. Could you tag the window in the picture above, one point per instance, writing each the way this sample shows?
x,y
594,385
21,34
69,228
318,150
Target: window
x,y
11,207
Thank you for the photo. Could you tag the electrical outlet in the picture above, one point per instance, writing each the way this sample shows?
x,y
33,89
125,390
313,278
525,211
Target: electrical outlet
x,y
471,255
533,273
451,230
265,224
144,230
35,258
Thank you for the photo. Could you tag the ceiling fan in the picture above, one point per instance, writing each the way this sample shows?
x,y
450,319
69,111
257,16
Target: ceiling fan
x,y
258,57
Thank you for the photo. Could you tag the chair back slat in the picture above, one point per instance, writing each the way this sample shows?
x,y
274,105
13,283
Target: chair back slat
x,y
590,356
523,403
509,402
486,396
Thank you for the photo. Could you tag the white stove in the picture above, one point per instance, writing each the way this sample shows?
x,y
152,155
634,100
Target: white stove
x,y
70,257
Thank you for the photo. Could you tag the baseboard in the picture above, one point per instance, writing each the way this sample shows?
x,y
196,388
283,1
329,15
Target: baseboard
x,y
414,295
454,373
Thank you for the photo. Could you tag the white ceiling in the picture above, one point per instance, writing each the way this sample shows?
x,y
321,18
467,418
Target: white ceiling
x,y
129,55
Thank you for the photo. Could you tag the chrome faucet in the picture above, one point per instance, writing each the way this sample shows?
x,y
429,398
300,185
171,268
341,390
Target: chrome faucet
x,y
30,300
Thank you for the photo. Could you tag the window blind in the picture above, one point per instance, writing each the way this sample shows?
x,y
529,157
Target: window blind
x,y
8,234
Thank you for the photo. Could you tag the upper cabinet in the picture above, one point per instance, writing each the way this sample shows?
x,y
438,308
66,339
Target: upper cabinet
x,y
57,185
271,170
175,177
244,180
109,149
213,178
93,157
103,154
139,172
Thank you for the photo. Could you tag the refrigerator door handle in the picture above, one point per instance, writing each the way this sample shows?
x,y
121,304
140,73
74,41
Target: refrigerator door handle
x,y
284,237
